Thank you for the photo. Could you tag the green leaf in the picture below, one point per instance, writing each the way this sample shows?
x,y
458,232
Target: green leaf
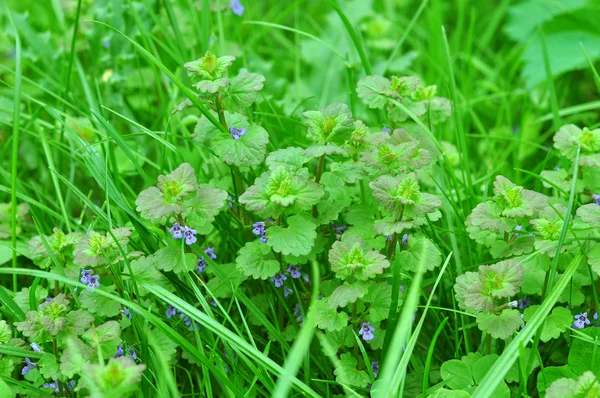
x,y
570,137
206,130
333,124
97,249
503,279
516,202
209,67
60,243
145,272
170,259
334,340
5,332
99,304
74,357
379,298
119,377
242,91
251,261
207,203
500,326
49,367
552,373
278,189
420,250
168,198
297,239
457,374
347,293
349,257
471,295
444,393
585,355
587,386
290,158
347,373
249,150
106,337
369,89
328,318
555,324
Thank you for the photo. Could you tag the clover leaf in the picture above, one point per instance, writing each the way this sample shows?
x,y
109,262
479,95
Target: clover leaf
x,y
297,239
350,257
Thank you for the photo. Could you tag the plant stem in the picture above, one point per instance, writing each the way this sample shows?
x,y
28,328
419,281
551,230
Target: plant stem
x,y
318,174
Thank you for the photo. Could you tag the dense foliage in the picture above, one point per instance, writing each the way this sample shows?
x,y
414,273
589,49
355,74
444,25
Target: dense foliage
x,y
186,213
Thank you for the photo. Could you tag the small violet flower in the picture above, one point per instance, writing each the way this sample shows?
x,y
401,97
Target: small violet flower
x,y
201,265
375,368
176,230
595,316
258,228
35,347
210,252
237,133
339,229
596,199
404,240
366,331
119,351
237,8
518,228
278,279
85,276
263,239
126,312
524,303
132,354
294,271
287,291
94,282
28,366
171,311
581,320
189,234
513,304
386,129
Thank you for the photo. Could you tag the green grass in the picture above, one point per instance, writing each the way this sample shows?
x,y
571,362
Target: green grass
x,y
87,91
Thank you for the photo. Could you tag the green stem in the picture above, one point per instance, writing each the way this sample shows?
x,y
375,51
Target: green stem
x,y
221,112
318,175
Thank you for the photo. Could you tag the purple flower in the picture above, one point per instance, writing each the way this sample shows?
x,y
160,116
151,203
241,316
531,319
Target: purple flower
x,y
339,229
85,276
53,384
213,302
294,271
189,234
581,320
258,228
518,228
596,199
237,8
263,238
386,129
94,281
210,252
176,231
230,202
524,303
105,44
237,133
404,240
132,354
127,313
201,265
171,311
287,291
35,347
366,331
375,368
28,366
119,351
595,316
388,237
556,168
513,304
278,279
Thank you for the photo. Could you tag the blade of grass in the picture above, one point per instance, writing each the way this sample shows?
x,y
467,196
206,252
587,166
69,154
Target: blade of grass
x,y
354,36
550,82
15,145
592,67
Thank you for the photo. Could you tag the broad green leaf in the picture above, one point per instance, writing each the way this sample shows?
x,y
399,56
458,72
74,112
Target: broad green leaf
x,y
347,373
369,89
585,355
349,257
96,249
297,239
328,318
333,124
457,374
247,151
500,326
586,386
252,262
556,323
503,279
107,337
379,298
99,304
420,250
242,91
347,293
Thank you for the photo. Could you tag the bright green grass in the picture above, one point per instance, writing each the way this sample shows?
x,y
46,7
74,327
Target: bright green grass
x,y
84,128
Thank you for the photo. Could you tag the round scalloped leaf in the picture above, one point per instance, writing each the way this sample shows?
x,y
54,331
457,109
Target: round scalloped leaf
x,y
503,279
500,326
249,150
297,239
347,293
349,257
252,262
370,90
